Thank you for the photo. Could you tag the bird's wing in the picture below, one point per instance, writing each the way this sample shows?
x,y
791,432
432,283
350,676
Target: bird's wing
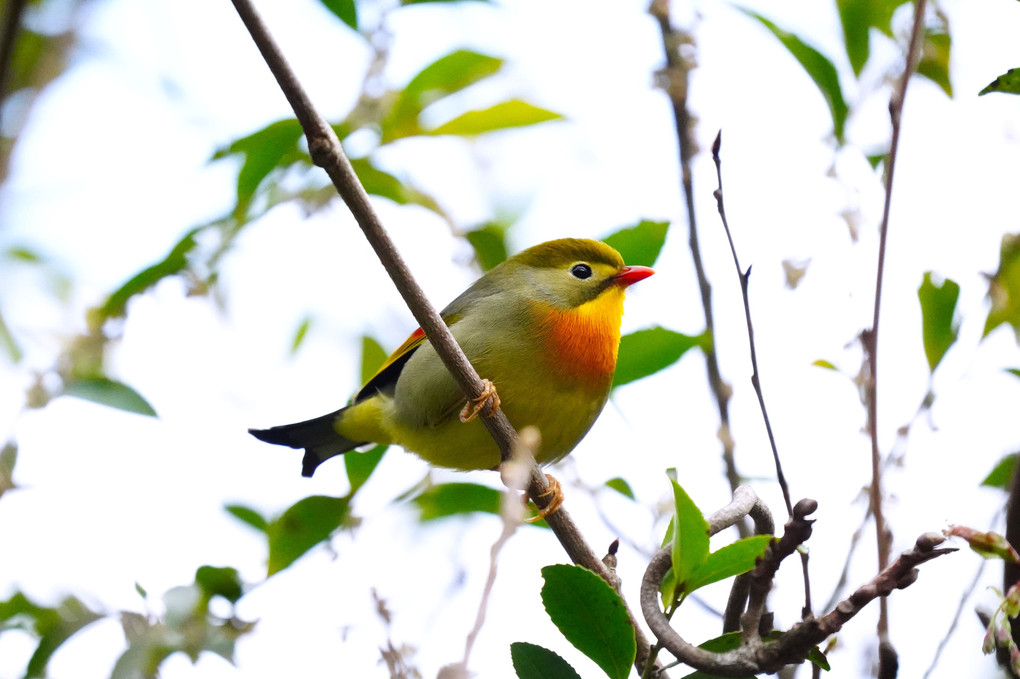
x,y
386,377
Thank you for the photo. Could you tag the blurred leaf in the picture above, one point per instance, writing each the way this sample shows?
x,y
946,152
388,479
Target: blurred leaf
x,y
502,116
446,75
361,465
51,626
938,325
9,344
1007,83
109,393
689,539
220,581
857,18
641,244
275,145
1002,473
732,559
621,487
249,516
592,616
794,270
822,363
302,526
818,67
1013,371
988,544
345,10
422,2
372,357
8,458
645,352
489,243
380,183
934,63
175,262
1004,287
300,334
536,662
450,499
876,159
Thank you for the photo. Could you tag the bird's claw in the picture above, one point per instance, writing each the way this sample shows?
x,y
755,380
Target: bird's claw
x,y
488,401
555,501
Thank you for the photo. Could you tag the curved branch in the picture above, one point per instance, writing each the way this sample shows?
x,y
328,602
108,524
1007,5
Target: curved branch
x,y
757,655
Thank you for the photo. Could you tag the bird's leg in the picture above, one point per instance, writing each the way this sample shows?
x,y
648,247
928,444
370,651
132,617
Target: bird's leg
x,y
489,401
556,491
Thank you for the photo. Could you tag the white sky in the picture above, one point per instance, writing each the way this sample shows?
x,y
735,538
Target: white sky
x,y
112,170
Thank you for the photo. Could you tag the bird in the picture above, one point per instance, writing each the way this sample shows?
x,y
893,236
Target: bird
x,y
543,326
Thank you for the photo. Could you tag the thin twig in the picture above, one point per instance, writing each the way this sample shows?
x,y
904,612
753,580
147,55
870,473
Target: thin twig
x,y
326,152
676,74
887,654
745,277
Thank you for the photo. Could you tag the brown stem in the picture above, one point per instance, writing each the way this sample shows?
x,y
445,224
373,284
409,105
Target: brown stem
x,y
676,74
887,653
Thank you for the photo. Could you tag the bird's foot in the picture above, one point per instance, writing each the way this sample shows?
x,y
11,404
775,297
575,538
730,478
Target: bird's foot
x,y
555,495
488,401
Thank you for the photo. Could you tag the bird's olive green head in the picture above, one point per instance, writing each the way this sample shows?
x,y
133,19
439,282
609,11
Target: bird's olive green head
x,y
566,273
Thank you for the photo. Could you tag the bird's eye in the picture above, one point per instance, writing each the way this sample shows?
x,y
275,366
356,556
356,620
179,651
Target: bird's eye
x,y
582,271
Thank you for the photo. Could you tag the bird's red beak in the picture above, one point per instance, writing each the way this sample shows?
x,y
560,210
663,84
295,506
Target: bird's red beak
x,y
632,274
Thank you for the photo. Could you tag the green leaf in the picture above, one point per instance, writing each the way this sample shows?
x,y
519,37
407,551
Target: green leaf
x,y
1004,287
726,562
592,616
1002,473
689,539
648,351
9,343
818,67
502,116
938,309
300,334
822,363
536,662
640,244
380,183
1015,372
857,18
8,458
1007,83
220,581
304,525
446,75
372,357
52,626
934,63
621,487
249,516
109,393
275,145
450,499
489,243
345,10
731,641
174,263
361,465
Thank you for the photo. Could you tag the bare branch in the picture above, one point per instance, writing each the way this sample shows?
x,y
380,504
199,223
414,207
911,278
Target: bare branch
x,y
676,75
869,338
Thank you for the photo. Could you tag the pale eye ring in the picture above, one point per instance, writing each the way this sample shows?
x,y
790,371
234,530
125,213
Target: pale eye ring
x,y
582,271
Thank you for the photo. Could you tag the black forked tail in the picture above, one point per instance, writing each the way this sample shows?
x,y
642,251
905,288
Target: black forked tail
x,y
317,436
